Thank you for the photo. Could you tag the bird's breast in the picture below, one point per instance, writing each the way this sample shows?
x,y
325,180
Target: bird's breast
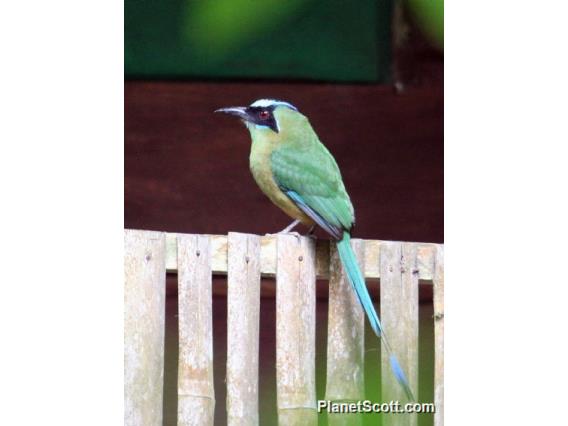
x,y
260,167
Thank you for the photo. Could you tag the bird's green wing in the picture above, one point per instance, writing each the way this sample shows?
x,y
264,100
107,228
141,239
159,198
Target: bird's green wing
x,y
309,175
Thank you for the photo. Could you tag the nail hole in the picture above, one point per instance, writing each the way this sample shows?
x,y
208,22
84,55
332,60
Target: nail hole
x,y
148,257
247,259
301,258
198,253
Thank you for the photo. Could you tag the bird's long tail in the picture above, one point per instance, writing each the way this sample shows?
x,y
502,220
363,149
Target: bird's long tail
x,y
357,280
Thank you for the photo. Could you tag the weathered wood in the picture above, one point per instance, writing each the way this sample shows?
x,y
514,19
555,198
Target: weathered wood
x,y
399,313
409,302
196,396
439,336
144,322
295,330
268,254
345,339
243,308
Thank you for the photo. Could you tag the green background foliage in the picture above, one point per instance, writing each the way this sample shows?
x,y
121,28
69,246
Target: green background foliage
x,y
332,40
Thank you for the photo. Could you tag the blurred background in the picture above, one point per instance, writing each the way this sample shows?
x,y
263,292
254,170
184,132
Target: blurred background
x,y
368,75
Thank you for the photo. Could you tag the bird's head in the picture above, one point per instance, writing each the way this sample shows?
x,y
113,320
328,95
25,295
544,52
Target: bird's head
x,y
267,117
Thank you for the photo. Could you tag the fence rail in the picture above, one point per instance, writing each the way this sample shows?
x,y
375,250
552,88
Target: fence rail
x,y
295,263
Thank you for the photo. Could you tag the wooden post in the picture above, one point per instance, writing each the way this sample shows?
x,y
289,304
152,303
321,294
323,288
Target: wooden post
x,y
399,313
439,335
144,322
243,300
345,339
295,330
196,396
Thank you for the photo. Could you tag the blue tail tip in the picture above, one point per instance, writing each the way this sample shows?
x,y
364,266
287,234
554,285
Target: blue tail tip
x,y
400,377
397,370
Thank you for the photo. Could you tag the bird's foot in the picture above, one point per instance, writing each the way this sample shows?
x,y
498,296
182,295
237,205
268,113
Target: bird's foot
x,y
288,231
294,233
290,227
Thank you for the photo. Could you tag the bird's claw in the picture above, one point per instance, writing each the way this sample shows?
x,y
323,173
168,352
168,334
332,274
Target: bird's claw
x,y
294,233
288,231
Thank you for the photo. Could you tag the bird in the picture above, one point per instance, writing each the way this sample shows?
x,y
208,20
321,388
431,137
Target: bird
x,y
300,176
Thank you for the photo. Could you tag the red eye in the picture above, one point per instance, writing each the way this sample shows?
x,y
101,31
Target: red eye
x,y
264,115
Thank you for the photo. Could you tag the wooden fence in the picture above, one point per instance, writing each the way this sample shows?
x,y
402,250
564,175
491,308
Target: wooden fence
x,y
295,263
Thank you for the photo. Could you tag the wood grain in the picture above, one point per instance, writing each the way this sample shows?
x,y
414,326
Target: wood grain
x,y
144,321
268,257
243,304
399,314
345,339
295,330
196,396
439,336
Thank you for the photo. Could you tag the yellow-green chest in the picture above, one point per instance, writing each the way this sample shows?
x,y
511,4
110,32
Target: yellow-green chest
x,y
260,167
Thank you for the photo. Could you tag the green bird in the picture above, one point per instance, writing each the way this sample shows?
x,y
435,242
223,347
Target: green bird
x,y
297,172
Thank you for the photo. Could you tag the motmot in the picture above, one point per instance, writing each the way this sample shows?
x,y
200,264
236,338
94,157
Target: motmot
x,y
299,175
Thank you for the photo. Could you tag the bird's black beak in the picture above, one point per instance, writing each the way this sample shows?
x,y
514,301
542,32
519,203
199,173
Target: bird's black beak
x,y
240,112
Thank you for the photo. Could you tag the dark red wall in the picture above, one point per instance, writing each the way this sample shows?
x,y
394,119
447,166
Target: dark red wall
x,y
186,169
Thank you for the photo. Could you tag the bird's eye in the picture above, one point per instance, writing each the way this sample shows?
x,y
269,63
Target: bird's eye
x,y
263,115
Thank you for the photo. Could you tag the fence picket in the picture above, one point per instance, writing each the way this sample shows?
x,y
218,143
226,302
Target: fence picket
x,y
345,339
399,313
144,321
296,262
243,308
439,335
196,396
295,330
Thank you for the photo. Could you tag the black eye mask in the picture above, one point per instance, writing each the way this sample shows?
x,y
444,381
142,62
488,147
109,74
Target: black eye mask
x,y
262,116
